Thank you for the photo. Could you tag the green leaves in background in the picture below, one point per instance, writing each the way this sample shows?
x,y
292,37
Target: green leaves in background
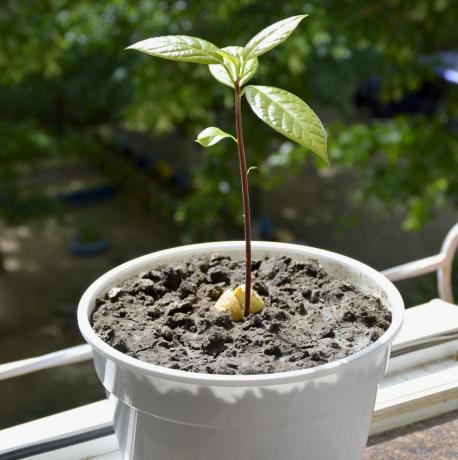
x,y
83,70
212,135
290,116
180,48
272,36
242,67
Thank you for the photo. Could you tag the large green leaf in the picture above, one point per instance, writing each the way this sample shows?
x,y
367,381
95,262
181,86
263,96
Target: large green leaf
x,y
212,135
290,116
245,69
180,48
272,36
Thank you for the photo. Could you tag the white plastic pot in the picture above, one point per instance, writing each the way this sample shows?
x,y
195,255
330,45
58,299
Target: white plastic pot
x,y
321,413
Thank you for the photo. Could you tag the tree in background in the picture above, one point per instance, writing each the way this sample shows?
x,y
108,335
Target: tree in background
x,y
63,75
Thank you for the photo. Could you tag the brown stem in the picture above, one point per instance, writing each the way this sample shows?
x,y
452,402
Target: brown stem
x,y
246,196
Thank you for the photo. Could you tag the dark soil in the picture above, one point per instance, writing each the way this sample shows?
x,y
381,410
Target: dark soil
x,y
165,316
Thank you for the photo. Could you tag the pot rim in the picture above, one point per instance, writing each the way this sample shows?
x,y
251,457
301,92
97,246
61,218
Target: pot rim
x,y
127,269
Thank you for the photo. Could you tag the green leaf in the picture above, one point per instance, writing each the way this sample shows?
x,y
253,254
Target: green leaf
x,y
245,70
272,36
180,48
211,136
290,116
229,57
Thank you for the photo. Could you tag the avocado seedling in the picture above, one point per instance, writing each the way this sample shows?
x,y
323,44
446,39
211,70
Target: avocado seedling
x,y
285,112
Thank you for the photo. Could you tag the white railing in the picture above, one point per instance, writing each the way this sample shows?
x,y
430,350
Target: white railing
x,y
58,358
442,263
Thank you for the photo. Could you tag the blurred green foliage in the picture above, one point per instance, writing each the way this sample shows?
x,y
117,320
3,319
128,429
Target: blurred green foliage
x,y
64,77
23,145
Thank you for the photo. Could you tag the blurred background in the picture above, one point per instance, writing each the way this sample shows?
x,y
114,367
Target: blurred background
x,y
98,162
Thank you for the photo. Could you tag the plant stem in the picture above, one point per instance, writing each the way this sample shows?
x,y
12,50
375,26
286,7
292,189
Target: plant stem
x,y
246,196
